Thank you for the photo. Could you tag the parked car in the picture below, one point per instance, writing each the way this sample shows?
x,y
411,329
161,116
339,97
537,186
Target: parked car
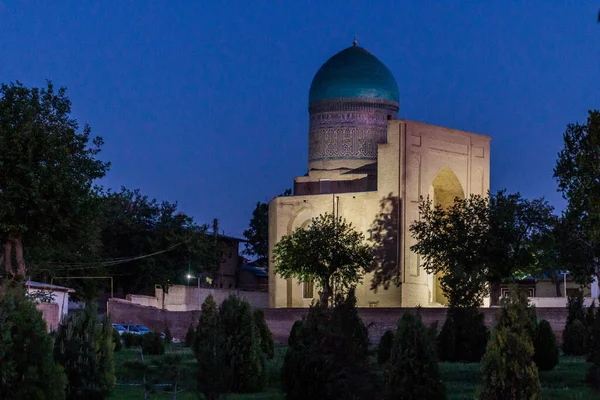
x,y
120,328
136,329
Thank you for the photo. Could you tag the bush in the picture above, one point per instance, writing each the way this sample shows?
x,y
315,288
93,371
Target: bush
x,y
153,343
27,369
241,347
593,374
83,346
464,335
294,332
575,337
208,349
328,356
545,349
508,369
168,335
412,371
266,337
190,336
384,349
117,340
131,340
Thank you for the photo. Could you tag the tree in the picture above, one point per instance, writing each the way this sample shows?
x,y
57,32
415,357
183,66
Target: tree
x,y
27,369
267,345
328,355
48,170
257,233
328,251
545,349
508,369
85,349
412,371
576,171
453,244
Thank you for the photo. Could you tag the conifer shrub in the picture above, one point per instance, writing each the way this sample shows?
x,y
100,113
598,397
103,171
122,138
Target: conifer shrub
x,y
412,371
384,348
508,369
433,332
27,368
168,335
593,374
153,343
83,346
117,340
246,362
545,349
267,344
208,347
328,356
190,336
576,333
463,336
131,340
294,331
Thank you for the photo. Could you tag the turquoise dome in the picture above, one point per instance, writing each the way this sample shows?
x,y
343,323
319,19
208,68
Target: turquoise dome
x,y
354,73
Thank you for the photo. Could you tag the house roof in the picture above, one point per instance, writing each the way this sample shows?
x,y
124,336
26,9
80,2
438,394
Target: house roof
x,y
47,286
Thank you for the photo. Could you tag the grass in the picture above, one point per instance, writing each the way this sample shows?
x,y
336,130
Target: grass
x,y
565,382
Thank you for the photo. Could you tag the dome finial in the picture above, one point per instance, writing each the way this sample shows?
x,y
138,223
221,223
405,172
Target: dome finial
x,y
355,42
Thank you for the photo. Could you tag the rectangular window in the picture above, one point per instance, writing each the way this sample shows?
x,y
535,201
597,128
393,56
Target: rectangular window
x,y
308,289
325,185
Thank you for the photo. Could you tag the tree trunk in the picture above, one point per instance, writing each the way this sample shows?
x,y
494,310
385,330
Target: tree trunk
x,y
7,245
22,268
325,293
495,292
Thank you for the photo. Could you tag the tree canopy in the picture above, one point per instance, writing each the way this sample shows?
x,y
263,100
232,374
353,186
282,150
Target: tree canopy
x,y
48,172
328,251
577,170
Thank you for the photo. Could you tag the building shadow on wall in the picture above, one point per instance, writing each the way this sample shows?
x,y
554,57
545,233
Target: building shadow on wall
x,y
384,236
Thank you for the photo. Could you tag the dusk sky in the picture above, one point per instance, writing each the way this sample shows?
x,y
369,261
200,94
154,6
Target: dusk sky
x,y
206,102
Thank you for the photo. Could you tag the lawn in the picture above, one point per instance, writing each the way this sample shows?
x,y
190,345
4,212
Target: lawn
x,y
565,382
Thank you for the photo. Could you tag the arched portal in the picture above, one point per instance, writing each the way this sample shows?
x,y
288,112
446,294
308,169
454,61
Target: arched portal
x,y
445,188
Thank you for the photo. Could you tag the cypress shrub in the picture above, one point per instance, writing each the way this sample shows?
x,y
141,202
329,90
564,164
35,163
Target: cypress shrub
x,y
294,331
545,349
84,348
576,333
267,344
412,371
153,343
213,373
328,356
190,336
246,363
384,349
168,335
593,374
117,340
131,340
27,368
508,370
464,335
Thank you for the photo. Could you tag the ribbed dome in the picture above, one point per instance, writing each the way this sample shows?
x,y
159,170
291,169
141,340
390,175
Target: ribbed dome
x,y
353,73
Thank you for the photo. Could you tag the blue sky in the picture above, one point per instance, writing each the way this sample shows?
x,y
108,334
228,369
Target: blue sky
x,y
205,102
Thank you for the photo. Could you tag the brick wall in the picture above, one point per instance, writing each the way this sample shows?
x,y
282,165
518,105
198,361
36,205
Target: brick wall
x,y
50,313
280,320
184,298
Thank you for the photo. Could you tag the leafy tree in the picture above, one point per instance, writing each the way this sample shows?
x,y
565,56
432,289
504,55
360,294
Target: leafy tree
x,y
508,369
328,251
267,345
576,171
84,349
328,356
545,349
47,196
452,242
27,369
257,233
134,225
412,371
